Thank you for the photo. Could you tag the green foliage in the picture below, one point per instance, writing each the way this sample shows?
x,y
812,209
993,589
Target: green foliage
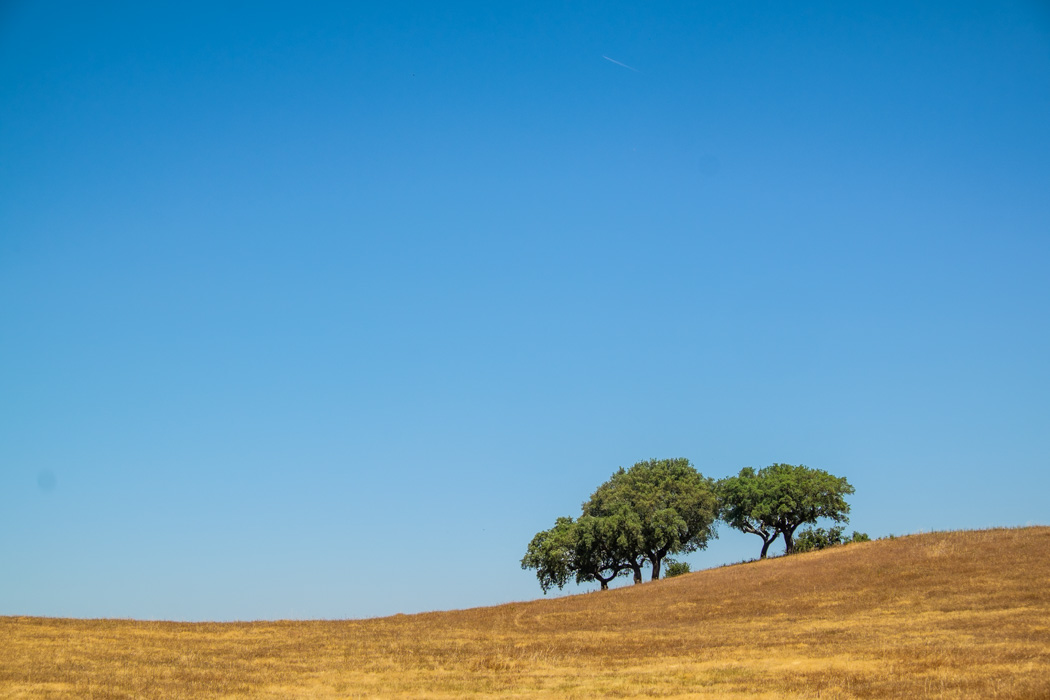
x,y
552,554
663,506
777,499
588,549
601,553
746,502
675,568
811,539
638,516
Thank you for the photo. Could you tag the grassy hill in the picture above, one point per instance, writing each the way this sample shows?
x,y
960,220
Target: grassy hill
x,y
942,615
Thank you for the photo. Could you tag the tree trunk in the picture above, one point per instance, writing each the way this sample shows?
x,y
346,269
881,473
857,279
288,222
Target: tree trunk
x,y
655,561
605,584
637,568
789,542
765,545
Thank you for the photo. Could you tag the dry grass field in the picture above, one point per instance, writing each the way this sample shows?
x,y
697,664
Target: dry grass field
x,y
943,615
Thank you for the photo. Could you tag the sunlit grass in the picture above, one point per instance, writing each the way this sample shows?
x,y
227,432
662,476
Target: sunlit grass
x,y
942,615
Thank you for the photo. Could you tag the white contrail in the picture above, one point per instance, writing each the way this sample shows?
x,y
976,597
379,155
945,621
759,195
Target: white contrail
x,y
620,64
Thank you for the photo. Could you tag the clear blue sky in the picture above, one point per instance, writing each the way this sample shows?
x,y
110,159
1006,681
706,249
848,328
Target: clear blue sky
x,y
323,310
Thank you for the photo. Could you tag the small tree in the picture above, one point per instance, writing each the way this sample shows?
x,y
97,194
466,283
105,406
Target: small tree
x,y
812,539
675,568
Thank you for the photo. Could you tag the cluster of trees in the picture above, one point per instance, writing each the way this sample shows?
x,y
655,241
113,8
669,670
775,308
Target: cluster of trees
x,y
657,508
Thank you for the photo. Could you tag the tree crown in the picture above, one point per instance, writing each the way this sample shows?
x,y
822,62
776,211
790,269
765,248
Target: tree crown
x,y
666,505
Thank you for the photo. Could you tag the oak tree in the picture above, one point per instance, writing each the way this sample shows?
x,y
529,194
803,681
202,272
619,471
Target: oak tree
x,y
587,549
778,499
666,507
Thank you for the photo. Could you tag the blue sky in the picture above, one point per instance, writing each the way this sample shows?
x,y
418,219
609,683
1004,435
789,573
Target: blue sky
x,y
324,311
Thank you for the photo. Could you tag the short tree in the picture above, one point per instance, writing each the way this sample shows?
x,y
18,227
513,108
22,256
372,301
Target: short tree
x,y
675,568
812,539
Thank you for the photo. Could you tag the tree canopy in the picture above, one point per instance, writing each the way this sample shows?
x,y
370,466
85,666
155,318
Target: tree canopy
x,y
777,499
745,502
587,549
667,507
552,554
637,517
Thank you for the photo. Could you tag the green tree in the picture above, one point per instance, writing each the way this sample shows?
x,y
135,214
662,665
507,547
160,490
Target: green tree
x,y
662,507
746,503
812,539
675,568
588,549
778,499
602,552
552,554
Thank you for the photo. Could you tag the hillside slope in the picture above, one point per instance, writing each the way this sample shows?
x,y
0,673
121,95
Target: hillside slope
x,y
942,615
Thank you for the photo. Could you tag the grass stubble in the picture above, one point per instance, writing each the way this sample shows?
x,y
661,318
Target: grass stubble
x,y
940,615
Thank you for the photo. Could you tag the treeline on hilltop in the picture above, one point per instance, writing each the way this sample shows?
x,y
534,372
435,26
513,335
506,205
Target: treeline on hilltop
x,y
657,508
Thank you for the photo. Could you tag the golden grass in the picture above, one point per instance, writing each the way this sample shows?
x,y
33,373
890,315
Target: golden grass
x,y
942,615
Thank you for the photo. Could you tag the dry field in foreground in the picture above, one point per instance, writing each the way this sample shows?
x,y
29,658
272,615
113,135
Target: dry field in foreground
x,y
942,615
